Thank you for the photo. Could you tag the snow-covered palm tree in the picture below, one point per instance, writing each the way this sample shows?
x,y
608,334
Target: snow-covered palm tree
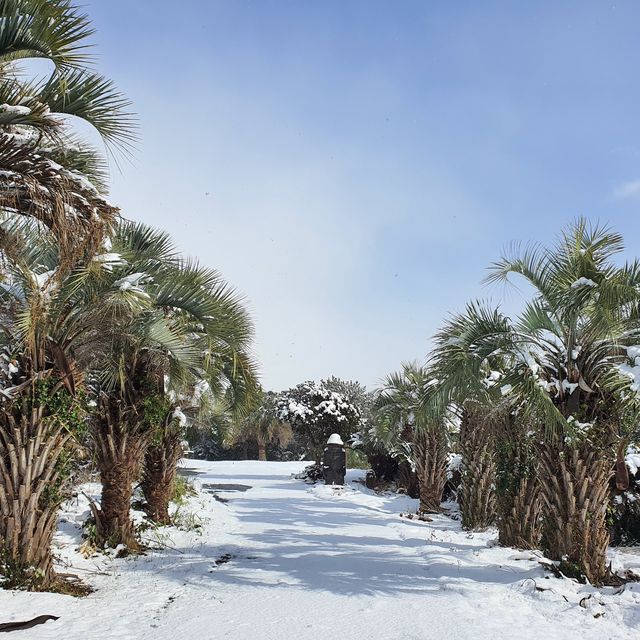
x,y
181,326
564,357
408,413
498,483
46,172
51,324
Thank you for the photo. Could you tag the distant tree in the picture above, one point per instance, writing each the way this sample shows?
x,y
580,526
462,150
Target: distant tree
x,y
354,392
262,425
315,412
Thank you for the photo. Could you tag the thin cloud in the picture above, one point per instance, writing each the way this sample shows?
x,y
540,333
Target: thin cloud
x,y
627,190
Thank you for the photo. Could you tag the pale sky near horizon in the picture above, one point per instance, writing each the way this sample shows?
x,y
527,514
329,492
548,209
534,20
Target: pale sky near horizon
x,y
353,167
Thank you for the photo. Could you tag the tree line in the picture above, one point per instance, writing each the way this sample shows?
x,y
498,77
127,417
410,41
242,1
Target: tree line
x,y
537,412
110,339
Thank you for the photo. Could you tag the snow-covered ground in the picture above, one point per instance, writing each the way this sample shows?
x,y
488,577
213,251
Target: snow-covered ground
x,y
298,562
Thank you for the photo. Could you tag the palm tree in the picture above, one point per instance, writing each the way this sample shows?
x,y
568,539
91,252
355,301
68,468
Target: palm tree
x,y
405,411
228,387
518,491
48,326
51,177
43,167
470,384
498,482
565,352
261,424
56,326
163,453
182,324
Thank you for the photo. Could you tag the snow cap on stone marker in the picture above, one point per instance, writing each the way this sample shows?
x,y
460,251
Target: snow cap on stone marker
x,y
335,438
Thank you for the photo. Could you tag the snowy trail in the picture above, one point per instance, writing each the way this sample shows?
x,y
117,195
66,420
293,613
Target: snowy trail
x,y
305,563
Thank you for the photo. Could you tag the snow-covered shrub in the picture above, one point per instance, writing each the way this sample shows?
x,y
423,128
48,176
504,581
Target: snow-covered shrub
x,y
311,474
315,412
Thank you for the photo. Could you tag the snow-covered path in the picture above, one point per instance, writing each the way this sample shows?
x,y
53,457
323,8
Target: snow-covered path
x,y
300,562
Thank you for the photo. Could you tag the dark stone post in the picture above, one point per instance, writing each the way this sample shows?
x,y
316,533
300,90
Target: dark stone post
x,y
334,461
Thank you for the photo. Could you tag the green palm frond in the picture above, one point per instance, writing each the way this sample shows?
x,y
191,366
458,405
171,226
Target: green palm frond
x,y
95,99
559,358
53,29
149,247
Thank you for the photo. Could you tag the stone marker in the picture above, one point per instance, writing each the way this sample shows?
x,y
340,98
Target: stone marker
x,y
334,461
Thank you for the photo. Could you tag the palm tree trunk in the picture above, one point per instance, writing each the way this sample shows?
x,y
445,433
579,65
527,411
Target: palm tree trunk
x,y
262,451
29,495
119,451
159,475
430,459
519,508
520,524
575,492
114,525
477,494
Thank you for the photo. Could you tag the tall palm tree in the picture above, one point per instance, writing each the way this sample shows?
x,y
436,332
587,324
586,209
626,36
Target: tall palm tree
x,y
226,384
48,326
497,480
471,385
518,490
49,176
405,409
565,352
183,324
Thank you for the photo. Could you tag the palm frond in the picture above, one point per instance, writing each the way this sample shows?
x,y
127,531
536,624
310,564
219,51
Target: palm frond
x,y
53,29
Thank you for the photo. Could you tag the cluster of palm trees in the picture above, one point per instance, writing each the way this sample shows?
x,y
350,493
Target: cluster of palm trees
x,y
111,340
540,408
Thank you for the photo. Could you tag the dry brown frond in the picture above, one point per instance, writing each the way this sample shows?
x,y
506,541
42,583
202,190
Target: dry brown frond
x,y
65,201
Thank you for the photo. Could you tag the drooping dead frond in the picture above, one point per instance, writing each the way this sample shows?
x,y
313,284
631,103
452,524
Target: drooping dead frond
x,y
64,201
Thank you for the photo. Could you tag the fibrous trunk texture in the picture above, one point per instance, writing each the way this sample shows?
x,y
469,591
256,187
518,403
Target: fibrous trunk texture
x,y
262,450
477,494
119,451
575,488
159,475
519,507
30,494
519,519
430,459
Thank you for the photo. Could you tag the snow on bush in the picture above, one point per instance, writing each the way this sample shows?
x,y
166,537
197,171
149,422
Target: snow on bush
x,y
315,412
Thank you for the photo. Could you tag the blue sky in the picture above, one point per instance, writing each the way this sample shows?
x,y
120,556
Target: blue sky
x,y
353,167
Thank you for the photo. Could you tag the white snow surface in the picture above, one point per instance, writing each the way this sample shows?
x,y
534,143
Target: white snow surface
x,y
583,282
313,561
17,110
